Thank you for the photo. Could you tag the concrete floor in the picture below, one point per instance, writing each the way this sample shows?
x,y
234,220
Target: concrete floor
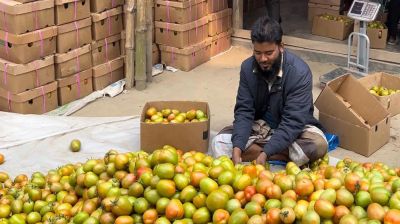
x,y
216,82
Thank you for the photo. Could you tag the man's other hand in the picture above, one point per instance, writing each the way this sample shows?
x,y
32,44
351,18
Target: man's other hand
x,y
236,155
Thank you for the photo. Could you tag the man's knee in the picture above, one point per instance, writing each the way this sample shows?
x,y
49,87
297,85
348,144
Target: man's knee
x,y
313,145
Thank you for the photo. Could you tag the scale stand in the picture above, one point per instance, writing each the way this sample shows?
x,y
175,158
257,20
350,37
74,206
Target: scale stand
x,y
364,12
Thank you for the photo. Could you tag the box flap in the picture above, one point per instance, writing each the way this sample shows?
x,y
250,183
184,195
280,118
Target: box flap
x,y
30,94
330,7
111,39
222,35
346,99
187,50
16,8
17,69
73,78
105,68
72,26
220,14
181,4
60,58
30,37
61,2
182,27
112,12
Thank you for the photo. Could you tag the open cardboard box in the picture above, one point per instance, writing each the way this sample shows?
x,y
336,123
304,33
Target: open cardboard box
x,y
392,102
105,50
216,5
74,87
180,12
108,73
103,5
219,22
315,9
74,35
35,101
348,110
73,61
107,23
185,136
18,78
332,28
18,18
71,10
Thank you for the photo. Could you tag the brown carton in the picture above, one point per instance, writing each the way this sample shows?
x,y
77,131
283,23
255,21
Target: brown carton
x,y
25,48
18,78
187,58
327,2
108,73
348,110
73,61
74,87
377,37
220,43
18,18
319,9
103,5
181,36
107,23
106,49
156,54
219,22
392,102
35,101
180,12
186,136
74,35
332,28
216,5
71,10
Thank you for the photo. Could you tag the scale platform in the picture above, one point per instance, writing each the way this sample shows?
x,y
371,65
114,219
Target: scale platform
x,y
325,78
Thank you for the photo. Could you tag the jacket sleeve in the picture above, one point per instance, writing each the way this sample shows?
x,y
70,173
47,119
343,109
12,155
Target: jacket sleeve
x,y
244,113
297,105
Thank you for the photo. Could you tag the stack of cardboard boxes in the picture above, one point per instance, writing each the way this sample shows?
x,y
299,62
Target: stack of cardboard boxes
x,y
107,25
27,45
219,27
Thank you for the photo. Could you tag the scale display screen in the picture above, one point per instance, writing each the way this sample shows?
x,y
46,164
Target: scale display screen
x,y
364,11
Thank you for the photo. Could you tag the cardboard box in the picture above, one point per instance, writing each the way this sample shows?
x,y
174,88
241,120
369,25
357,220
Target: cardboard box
x,y
35,101
123,37
319,9
181,35
17,78
219,22
216,5
156,54
186,136
221,43
71,10
106,49
74,35
377,37
108,73
103,5
107,23
392,102
327,2
348,110
74,87
73,61
28,47
331,28
180,12
18,18
187,58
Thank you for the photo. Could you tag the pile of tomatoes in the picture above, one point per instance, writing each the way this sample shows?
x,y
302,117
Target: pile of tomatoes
x,y
170,186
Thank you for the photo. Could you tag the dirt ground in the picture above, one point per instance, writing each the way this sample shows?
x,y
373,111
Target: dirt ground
x,y
216,82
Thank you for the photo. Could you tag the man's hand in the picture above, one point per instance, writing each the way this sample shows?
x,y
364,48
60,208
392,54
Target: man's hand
x,y
262,158
237,155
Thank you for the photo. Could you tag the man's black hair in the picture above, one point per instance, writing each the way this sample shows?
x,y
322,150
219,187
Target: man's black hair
x,y
266,30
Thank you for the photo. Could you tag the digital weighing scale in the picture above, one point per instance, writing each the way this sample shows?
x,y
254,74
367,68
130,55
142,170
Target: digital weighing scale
x,y
364,12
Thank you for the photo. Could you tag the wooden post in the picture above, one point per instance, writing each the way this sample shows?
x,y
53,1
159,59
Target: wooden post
x,y
130,44
237,14
140,46
149,38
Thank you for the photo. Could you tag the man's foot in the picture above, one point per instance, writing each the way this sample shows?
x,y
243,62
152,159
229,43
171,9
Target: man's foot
x,y
392,41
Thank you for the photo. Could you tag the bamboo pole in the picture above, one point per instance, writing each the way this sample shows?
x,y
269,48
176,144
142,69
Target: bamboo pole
x,y
140,46
149,42
130,44
237,14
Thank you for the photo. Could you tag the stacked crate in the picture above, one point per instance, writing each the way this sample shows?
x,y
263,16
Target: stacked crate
x,y
181,30
107,26
73,62
27,45
219,27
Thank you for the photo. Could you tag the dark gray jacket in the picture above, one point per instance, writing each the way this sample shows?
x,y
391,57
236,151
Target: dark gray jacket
x,y
290,102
